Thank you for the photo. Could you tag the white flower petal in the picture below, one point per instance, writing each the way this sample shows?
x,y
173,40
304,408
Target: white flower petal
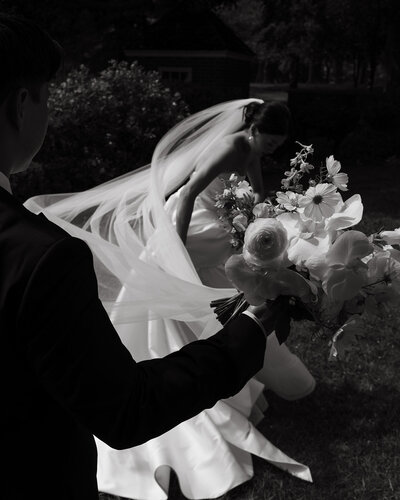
x,y
349,215
327,189
291,222
313,211
333,166
301,250
349,246
332,199
340,181
391,237
304,201
326,209
317,266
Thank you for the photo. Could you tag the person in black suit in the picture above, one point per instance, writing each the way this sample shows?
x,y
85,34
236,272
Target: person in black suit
x,y
65,375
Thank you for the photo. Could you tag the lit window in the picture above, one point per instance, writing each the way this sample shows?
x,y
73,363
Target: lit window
x,y
172,74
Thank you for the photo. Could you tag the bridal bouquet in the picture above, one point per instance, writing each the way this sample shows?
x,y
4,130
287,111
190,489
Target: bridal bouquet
x,y
299,248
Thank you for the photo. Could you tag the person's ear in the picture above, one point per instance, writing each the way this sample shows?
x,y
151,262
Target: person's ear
x,y
16,107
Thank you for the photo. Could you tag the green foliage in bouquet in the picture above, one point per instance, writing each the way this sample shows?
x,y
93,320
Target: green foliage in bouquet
x,y
101,126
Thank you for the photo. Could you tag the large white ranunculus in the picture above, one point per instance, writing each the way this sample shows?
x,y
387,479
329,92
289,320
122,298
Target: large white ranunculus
x,y
265,243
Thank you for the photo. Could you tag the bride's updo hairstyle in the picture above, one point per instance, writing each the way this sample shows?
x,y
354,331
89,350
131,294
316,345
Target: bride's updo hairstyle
x,y
267,117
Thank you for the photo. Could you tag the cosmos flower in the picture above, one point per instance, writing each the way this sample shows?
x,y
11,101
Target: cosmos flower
x,y
319,201
288,200
240,222
339,180
243,188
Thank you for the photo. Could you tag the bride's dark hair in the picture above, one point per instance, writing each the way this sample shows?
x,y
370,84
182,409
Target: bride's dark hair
x,y
28,55
268,117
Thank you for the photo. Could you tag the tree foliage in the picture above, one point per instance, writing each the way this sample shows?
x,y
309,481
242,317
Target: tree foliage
x,y
101,126
86,28
245,17
314,39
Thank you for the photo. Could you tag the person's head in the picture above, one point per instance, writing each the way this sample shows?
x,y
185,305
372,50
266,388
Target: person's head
x,y
29,59
268,125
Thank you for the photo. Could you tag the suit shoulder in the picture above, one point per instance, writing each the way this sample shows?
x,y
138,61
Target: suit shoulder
x,y
24,225
25,238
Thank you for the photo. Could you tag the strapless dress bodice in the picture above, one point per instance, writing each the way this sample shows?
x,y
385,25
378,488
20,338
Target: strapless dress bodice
x,y
206,199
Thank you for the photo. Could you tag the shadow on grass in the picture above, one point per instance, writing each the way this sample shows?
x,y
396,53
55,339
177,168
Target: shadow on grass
x,y
339,432
334,410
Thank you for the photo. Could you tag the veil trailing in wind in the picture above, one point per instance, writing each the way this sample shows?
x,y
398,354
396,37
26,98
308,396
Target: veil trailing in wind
x,y
157,302
133,240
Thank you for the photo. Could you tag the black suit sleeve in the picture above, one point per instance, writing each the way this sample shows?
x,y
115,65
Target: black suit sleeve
x,y
75,351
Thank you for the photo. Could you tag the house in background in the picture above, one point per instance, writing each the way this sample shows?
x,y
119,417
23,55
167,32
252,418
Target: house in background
x,y
197,55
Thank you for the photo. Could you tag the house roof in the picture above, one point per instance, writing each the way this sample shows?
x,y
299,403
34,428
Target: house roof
x,y
191,27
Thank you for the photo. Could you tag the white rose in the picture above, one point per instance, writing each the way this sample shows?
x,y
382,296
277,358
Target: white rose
x,y
264,210
240,223
265,243
242,189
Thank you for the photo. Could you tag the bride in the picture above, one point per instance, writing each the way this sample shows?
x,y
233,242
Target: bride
x,y
159,251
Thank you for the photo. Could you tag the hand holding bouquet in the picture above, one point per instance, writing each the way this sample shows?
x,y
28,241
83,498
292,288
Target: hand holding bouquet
x,y
300,246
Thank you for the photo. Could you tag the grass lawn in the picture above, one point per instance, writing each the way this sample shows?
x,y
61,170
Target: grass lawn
x,y
348,430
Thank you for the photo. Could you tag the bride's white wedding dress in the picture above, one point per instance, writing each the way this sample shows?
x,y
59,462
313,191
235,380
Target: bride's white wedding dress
x,y
158,294
210,453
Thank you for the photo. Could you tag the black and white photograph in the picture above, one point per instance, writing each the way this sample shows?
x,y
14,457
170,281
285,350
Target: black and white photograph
x,y
200,249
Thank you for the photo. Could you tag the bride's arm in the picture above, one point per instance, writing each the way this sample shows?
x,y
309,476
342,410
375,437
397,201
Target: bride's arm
x,y
208,170
187,198
254,175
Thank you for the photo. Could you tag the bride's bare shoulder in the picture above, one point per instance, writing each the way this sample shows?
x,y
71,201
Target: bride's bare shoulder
x,y
237,143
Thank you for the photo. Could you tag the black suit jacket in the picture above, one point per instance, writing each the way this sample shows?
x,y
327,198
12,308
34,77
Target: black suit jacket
x,y
65,375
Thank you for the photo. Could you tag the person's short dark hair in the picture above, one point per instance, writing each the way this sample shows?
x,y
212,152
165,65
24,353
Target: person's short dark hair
x,y
268,117
28,55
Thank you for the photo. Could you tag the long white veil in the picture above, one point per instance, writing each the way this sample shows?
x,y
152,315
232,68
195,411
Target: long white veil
x,y
145,273
135,245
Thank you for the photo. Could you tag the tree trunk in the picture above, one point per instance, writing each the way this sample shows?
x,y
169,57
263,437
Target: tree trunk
x,y
363,72
391,55
310,70
372,73
356,71
314,69
294,73
327,72
338,68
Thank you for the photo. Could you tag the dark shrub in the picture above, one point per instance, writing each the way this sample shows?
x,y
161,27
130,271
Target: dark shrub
x,y
349,123
100,126
368,143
